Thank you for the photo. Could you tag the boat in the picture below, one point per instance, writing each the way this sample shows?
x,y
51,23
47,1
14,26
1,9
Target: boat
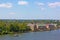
x,y
16,35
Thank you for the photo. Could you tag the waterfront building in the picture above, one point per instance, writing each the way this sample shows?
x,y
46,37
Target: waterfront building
x,y
39,26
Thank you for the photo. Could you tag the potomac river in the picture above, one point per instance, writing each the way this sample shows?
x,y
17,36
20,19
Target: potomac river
x,y
47,35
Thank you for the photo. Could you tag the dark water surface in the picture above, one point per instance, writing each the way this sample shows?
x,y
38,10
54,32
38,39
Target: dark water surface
x,y
47,35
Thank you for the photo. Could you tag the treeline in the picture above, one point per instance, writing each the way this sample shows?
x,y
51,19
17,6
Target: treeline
x,y
13,27
20,26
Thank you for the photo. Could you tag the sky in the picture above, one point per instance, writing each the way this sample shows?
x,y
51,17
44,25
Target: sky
x,y
30,9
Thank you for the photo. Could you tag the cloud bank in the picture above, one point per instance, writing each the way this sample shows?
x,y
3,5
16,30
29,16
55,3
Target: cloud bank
x,y
54,5
12,13
6,5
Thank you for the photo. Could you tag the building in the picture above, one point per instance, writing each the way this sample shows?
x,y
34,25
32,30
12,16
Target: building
x,y
52,26
39,26
32,26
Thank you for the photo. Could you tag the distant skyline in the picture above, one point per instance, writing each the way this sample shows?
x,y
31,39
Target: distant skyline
x,y
30,9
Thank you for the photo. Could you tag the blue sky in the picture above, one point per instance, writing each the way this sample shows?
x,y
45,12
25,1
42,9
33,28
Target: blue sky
x,y
29,9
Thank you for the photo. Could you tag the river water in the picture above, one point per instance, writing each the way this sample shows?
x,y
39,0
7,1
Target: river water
x,y
47,35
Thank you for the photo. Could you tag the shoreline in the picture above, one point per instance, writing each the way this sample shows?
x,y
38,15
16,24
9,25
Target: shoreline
x,y
12,33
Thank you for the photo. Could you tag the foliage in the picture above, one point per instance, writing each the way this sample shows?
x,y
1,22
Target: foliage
x,y
8,27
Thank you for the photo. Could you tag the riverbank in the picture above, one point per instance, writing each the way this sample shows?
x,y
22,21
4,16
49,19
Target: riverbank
x,y
47,35
14,33
21,26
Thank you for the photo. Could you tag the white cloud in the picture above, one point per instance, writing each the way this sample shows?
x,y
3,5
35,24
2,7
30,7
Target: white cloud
x,y
54,5
22,2
42,9
12,13
40,4
6,5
